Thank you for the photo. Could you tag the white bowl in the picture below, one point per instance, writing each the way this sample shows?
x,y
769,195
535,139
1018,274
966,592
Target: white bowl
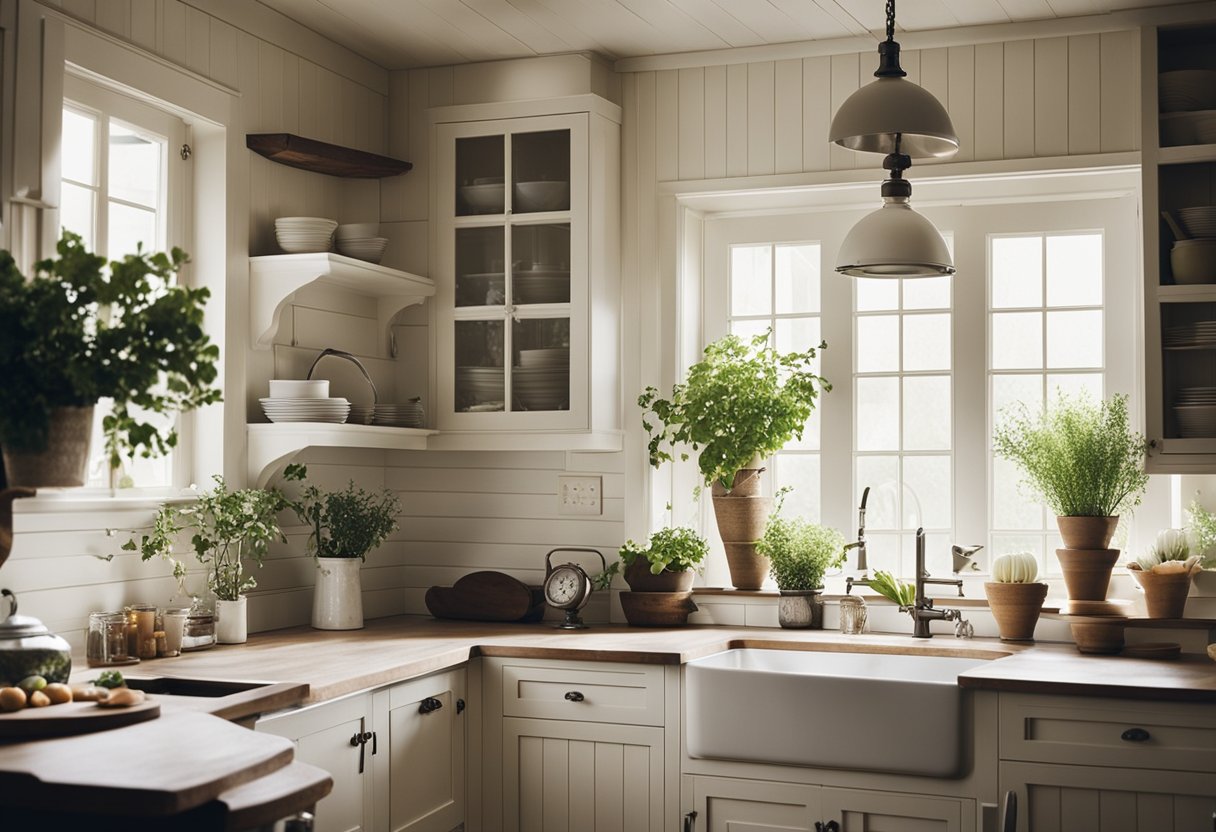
x,y
305,222
357,230
484,199
292,388
542,196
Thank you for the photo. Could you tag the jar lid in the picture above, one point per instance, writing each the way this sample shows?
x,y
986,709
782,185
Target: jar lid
x,y
19,626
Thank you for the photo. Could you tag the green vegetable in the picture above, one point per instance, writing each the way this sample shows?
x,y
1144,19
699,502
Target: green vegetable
x,y
110,679
32,683
887,585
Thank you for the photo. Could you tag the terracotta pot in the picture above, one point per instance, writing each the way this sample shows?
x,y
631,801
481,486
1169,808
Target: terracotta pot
x,y
641,579
745,484
748,568
1016,608
742,519
657,609
1164,595
64,463
1087,532
800,609
1101,636
1087,572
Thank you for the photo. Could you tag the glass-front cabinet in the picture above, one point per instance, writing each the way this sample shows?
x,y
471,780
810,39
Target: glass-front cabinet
x,y
517,273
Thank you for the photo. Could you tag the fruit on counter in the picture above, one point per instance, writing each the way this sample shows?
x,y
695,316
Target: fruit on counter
x,y
122,698
32,683
88,692
38,699
12,699
58,693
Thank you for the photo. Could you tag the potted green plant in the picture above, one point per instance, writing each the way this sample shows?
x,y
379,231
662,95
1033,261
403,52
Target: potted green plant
x,y
799,554
1165,573
1201,531
81,330
1084,460
742,402
228,531
667,563
1015,595
344,526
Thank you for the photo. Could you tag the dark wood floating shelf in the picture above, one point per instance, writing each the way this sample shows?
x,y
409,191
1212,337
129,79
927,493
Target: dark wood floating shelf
x,y
322,157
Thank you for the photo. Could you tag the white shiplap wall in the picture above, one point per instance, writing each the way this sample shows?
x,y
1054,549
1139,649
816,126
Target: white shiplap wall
x,y
299,83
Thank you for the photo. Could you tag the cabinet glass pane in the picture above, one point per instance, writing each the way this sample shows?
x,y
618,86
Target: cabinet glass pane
x,y
540,375
480,346
540,171
479,175
540,263
480,278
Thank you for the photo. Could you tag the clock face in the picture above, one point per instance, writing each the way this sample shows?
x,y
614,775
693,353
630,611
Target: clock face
x,y
564,588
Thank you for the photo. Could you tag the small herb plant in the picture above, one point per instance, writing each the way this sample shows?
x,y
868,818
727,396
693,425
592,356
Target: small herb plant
x,y
743,399
799,552
348,523
677,549
1083,459
82,330
1202,525
228,529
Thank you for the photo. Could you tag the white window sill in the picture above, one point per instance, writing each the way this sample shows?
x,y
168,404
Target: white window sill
x,y
68,500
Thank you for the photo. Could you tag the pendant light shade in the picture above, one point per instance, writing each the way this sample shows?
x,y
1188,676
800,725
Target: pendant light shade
x,y
892,108
894,241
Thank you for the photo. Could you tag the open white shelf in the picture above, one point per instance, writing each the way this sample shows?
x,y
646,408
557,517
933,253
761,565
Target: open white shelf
x,y
272,446
275,280
1186,154
594,441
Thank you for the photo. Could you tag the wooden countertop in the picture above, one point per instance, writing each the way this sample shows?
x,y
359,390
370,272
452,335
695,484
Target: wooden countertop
x,y
390,650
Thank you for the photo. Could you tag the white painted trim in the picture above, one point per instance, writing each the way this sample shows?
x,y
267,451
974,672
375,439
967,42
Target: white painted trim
x,y
492,111
929,38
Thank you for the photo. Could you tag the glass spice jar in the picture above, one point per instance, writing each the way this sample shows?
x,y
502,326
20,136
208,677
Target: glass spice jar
x,y
852,615
106,643
199,633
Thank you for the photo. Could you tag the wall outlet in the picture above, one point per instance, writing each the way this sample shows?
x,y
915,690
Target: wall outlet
x,y
580,495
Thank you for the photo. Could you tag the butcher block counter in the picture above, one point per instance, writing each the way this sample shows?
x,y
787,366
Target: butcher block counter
x,y
390,650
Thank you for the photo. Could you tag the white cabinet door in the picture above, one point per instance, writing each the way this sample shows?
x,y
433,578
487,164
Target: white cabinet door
x,y
724,804
323,736
1092,799
858,810
571,776
420,782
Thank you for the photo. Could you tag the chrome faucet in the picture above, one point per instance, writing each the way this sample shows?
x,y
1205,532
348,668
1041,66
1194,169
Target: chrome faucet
x,y
860,545
922,609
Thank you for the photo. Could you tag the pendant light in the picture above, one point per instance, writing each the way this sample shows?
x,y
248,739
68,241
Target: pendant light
x,y
894,116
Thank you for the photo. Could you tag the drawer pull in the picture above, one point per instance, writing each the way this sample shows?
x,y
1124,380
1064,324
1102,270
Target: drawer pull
x,y
1136,735
429,705
574,696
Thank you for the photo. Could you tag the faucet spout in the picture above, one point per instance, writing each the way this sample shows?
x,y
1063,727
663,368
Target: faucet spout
x,y
860,545
922,609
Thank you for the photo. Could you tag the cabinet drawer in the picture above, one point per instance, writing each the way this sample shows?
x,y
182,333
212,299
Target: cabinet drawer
x,y
624,693
1169,736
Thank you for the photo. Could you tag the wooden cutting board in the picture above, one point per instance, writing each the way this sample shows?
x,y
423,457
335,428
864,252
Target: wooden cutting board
x,y
72,718
484,596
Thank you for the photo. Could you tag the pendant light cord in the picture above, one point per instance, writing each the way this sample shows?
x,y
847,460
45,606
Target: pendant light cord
x,y
890,20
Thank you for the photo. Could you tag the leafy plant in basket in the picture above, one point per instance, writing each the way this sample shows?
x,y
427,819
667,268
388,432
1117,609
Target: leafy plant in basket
x,y
677,551
82,330
744,399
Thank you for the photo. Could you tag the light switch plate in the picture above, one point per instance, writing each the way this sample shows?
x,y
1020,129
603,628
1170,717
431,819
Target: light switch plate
x,y
580,494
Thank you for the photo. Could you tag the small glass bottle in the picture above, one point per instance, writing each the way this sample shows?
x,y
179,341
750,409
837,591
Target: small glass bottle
x,y
852,615
174,624
107,640
199,632
141,624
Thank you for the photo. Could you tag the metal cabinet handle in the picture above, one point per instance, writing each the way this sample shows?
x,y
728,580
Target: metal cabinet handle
x,y
1010,823
429,705
574,696
690,821
1135,735
375,743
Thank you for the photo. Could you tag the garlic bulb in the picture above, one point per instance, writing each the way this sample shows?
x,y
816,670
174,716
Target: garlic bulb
x,y
1016,568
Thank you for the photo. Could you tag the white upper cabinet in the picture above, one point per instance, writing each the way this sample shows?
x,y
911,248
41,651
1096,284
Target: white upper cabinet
x,y
527,313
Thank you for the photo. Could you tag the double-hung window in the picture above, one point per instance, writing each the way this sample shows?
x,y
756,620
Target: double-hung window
x,y
121,189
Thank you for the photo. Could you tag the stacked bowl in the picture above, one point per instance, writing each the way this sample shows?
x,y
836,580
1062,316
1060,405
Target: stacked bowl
x,y
1187,101
1195,409
359,240
408,415
541,381
304,235
1193,260
292,400
480,388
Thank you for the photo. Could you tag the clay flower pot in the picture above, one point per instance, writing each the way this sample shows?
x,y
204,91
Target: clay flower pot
x,y
65,461
1101,636
1087,572
1087,532
800,609
641,579
741,514
1016,608
1164,593
657,609
748,568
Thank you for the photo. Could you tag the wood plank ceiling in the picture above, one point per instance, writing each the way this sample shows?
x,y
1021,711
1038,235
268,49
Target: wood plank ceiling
x,y
403,34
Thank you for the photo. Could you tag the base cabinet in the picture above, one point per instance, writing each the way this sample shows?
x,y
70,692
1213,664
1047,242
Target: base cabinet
x,y
724,804
576,775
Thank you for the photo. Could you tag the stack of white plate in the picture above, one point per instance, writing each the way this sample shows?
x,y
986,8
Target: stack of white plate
x,y
542,379
361,414
359,240
482,385
541,284
1195,408
1195,336
306,410
302,235
408,415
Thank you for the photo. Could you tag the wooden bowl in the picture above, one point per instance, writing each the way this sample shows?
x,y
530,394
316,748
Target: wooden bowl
x,y
657,609
1101,636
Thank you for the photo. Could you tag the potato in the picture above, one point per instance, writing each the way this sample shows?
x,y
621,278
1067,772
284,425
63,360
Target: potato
x,y
88,693
122,698
58,693
12,699
38,699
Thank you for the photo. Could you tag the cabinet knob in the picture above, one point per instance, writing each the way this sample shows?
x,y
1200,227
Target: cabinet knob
x,y
574,696
690,821
429,705
1136,735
